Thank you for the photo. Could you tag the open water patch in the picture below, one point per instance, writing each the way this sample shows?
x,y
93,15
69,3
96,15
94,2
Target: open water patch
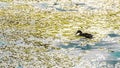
x,y
91,8
103,43
3,4
2,43
41,5
60,9
19,66
113,35
115,54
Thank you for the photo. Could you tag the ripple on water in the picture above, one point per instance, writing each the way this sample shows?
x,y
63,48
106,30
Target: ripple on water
x,y
113,35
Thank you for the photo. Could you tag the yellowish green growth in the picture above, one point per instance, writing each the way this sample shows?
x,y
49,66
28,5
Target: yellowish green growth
x,y
23,22
6,0
44,24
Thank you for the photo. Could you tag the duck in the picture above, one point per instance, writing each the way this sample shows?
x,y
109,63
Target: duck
x,y
86,35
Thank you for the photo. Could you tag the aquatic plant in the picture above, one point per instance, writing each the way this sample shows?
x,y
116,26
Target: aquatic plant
x,y
38,56
25,29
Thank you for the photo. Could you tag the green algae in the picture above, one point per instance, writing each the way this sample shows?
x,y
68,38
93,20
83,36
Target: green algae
x,y
29,54
24,21
6,0
48,24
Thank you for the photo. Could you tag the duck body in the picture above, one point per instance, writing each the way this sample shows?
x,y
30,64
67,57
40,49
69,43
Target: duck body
x,y
86,35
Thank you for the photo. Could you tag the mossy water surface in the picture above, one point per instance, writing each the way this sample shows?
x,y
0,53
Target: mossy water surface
x,y
23,22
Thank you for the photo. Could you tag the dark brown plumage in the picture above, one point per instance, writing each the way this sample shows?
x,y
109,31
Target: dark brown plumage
x,y
86,35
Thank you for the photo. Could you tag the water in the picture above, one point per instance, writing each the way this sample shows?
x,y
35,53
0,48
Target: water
x,y
2,43
116,54
4,4
80,4
114,35
59,6
19,66
103,54
41,5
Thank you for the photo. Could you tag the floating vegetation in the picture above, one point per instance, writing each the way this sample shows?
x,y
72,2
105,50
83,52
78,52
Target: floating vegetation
x,y
38,56
30,36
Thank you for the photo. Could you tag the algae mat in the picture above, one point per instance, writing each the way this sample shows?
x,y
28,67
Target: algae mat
x,y
41,34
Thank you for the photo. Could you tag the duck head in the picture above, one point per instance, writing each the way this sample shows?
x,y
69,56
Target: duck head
x,y
79,32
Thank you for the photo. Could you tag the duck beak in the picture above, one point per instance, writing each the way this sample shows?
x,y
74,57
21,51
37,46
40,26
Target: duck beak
x,y
77,34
